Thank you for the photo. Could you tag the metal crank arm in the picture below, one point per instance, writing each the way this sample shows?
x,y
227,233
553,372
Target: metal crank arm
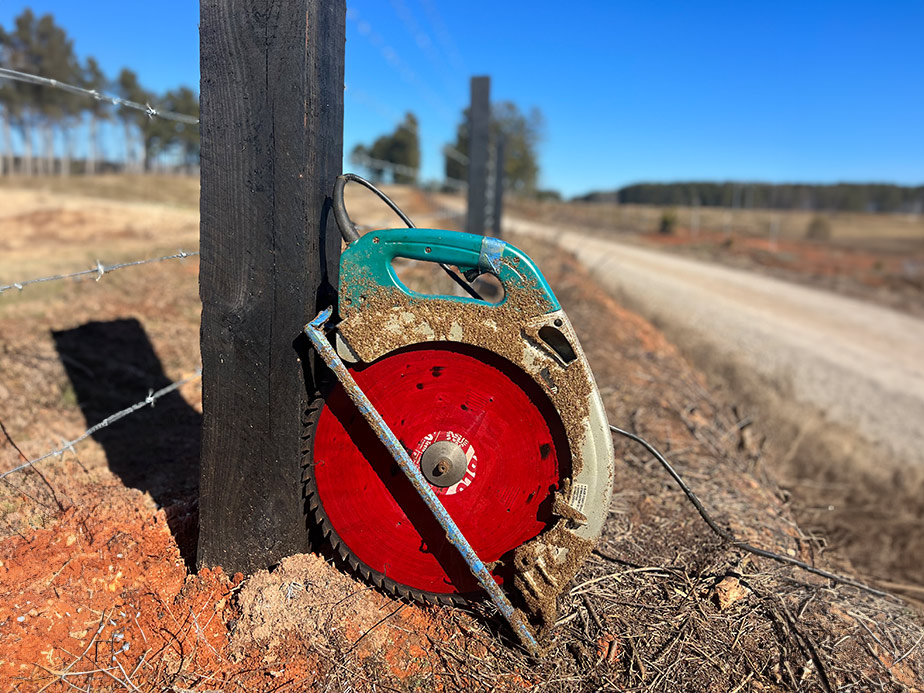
x,y
314,331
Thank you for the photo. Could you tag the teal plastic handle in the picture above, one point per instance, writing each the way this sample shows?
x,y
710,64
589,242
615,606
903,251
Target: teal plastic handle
x,y
367,264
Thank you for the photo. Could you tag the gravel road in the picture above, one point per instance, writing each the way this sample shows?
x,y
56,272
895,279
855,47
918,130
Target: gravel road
x,y
860,364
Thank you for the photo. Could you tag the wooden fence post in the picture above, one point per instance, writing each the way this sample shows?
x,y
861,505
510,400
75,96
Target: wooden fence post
x,y
479,127
272,145
499,154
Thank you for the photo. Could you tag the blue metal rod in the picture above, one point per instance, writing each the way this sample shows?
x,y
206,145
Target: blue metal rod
x,y
315,333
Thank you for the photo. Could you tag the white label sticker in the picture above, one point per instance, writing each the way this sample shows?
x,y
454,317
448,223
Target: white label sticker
x,y
578,497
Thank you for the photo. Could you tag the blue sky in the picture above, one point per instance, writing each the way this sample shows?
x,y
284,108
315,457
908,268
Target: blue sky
x,y
801,91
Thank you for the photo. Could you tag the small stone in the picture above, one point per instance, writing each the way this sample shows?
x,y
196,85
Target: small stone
x,y
729,591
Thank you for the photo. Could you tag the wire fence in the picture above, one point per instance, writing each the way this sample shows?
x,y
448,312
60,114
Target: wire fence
x,y
145,108
454,153
99,270
400,169
108,421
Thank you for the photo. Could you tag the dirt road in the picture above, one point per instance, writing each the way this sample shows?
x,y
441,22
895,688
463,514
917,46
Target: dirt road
x,y
860,364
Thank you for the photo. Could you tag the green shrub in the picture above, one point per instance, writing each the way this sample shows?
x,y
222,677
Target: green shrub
x,y
819,229
668,222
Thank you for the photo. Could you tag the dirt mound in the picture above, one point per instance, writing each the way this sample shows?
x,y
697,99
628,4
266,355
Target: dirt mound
x,y
311,606
105,591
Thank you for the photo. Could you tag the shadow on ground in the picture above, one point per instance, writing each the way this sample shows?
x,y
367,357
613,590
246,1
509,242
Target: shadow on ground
x,y
111,366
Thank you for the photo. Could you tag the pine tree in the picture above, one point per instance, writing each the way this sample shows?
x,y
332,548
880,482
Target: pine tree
x,y
182,136
522,133
130,89
54,57
94,79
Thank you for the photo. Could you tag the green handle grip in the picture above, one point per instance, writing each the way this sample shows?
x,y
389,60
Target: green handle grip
x,y
368,261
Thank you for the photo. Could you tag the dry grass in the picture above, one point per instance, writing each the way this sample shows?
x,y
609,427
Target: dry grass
x,y
173,191
663,605
852,227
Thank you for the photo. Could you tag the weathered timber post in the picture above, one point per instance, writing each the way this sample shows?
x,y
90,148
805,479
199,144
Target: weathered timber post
x,y
479,126
499,153
272,146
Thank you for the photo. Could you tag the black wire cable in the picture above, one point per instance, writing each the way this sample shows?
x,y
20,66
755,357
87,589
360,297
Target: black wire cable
x,y
350,234
727,536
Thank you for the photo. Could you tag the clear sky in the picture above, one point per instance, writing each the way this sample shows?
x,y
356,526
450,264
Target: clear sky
x,y
781,91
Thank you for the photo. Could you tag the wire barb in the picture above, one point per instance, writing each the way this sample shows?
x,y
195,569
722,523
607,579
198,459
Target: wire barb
x,y
28,78
108,421
99,270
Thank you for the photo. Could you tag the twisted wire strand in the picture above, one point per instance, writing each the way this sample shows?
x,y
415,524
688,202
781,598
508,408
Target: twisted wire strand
x,y
99,270
145,108
108,421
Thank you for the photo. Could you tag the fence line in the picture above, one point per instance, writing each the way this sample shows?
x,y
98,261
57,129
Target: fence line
x,y
424,43
99,270
433,216
149,110
454,153
456,183
399,65
369,162
109,420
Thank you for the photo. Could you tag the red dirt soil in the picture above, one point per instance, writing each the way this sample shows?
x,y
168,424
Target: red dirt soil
x,y
104,599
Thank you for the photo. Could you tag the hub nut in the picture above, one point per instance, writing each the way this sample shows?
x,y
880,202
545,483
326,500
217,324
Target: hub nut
x,y
443,463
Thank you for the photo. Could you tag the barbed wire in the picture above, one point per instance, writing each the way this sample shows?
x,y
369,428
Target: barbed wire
x,y
99,270
147,109
369,162
456,183
395,62
454,153
108,421
445,37
381,164
409,18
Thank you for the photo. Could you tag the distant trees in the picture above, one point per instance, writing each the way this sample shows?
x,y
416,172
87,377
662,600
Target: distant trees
x,y
845,197
49,116
523,134
401,148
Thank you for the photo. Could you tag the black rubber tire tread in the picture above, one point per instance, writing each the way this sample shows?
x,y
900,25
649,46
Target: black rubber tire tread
x,y
316,508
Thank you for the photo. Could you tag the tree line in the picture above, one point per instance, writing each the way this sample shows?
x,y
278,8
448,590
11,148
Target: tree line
x,y
46,118
838,197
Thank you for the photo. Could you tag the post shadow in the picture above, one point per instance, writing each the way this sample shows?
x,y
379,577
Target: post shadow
x,y
111,366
